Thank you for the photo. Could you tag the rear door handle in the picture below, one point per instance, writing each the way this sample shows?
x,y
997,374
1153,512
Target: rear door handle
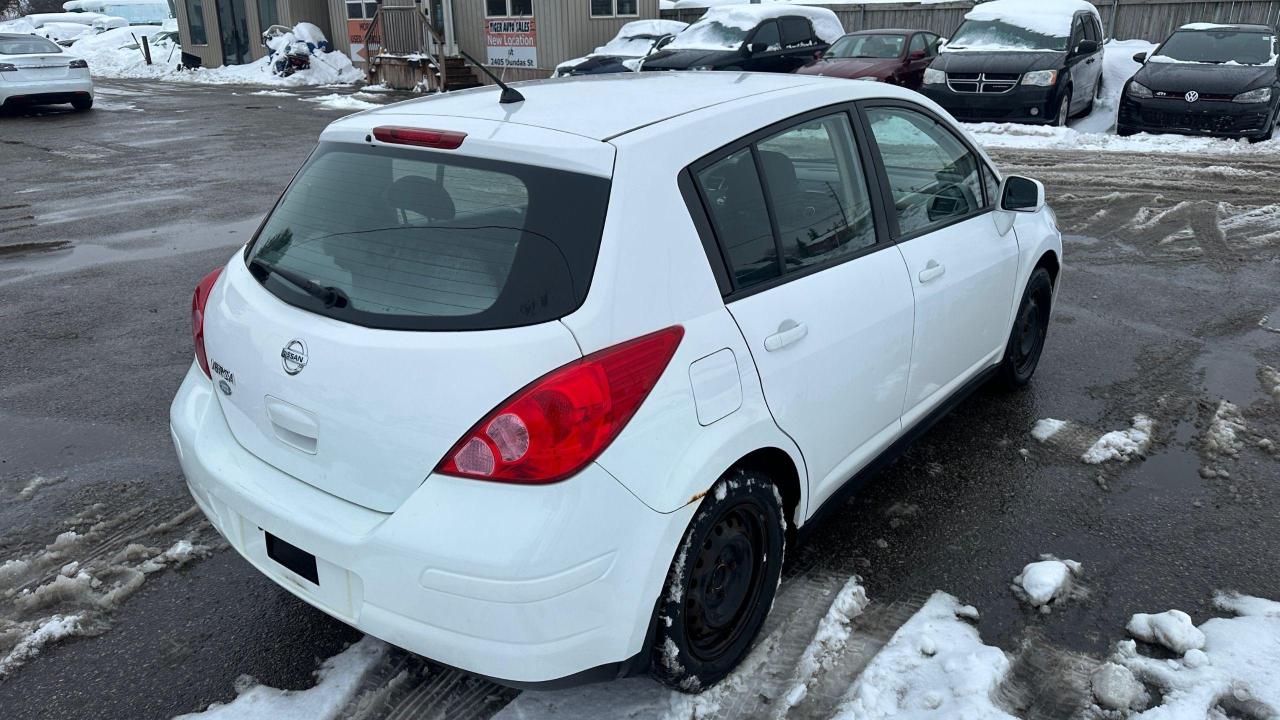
x,y
932,272
789,332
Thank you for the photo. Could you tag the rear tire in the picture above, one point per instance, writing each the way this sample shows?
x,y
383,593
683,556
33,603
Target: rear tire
x,y
1030,327
721,584
82,104
1064,110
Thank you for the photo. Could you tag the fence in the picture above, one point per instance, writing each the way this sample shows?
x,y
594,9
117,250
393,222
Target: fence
x,y
1151,20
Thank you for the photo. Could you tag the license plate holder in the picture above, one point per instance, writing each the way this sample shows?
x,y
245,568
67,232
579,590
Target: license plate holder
x,y
295,559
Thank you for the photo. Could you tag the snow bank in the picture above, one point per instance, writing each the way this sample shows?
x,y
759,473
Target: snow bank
x,y
1122,445
336,101
831,637
50,631
1172,629
1236,675
935,666
1271,380
1043,582
337,681
109,57
721,27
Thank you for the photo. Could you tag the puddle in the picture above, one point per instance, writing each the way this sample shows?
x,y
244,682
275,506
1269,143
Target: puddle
x,y
1230,374
1168,479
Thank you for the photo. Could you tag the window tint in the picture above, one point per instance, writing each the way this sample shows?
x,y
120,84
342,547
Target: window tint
x,y
767,34
933,176
918,43
932,49
195,20
795,31
423,241
1091,30
735,201
817,192
28,45
991,185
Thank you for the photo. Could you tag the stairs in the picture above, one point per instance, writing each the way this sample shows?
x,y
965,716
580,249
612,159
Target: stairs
x,y
459,75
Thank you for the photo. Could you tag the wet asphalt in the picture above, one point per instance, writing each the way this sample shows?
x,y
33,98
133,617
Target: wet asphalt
x,y
1169,304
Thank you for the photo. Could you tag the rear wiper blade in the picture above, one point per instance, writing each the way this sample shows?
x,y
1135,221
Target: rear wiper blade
x,y
330,296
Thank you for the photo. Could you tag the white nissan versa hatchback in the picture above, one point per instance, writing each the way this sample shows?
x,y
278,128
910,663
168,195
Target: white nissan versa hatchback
x,y
541,389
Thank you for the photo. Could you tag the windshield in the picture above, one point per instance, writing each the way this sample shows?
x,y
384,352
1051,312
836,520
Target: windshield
x,y
867,46
28,46
1000,35
418,240
709,35
1218,46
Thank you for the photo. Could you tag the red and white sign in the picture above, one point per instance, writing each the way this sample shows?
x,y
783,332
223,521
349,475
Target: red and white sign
x,y
356,28
511,42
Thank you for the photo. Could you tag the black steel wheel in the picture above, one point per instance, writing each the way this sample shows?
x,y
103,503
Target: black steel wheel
x,y
721,583
1030,328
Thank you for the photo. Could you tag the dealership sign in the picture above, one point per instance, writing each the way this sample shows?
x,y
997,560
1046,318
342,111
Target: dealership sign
x,y
511,43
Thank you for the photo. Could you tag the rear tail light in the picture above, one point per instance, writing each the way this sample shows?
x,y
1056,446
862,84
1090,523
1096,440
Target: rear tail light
x,y
79,65
198,302
559,423
437,139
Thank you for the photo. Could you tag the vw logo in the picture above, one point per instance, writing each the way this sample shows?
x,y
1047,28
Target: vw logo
x,y
294,356
1192,96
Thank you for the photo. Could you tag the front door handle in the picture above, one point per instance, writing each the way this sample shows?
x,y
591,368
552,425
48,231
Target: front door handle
x,y
932,272
789,332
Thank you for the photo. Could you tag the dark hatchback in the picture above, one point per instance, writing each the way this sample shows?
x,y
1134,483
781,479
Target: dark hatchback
x,y
898,57
995,70
1219,80
780,43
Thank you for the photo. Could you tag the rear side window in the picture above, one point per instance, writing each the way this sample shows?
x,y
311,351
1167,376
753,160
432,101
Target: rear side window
x,y
934,177
418,240
736,204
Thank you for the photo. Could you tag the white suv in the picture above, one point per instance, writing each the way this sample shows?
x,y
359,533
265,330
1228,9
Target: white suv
x,y
541,389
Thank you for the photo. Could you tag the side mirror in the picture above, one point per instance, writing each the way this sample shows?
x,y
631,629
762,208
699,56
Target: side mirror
x,y
1140,57
1087,47
1021,194
916,55
756,48
818,55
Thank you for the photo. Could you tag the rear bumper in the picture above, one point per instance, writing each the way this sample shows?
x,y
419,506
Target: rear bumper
x,y
1212,118
1023,104
44,91
525,585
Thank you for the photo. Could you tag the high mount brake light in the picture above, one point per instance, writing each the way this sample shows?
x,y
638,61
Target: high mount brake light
x,y
198,302
437,139
559,423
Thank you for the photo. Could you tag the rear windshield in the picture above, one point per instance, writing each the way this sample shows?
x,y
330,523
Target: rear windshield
x,y
423,240
27,46
1219,46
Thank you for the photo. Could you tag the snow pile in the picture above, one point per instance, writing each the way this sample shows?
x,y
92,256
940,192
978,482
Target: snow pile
x,y
1226,431
110,56
336,101
1047,428
1237,674
36,483
1172,629
1050,579
1115,688
1271,380
629,43
831,637
51,631
935,666
337,681
1122,445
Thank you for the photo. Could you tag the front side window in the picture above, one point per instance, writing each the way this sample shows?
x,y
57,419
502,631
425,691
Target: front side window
x,y
796,31
767,35
817,192
934,177
610,8
195,21
420,240
735,201
918,43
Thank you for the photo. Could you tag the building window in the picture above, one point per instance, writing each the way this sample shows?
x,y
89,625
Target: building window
x,y
268,14
195,21
612,8
508,8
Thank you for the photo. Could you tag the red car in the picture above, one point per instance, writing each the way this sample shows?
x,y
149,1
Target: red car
x,y
893,56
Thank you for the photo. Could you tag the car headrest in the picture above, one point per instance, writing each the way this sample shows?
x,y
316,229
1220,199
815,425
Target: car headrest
x,y
779,171
423,196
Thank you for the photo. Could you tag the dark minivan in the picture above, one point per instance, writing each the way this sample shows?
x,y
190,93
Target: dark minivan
x,y
1206,79
756,38
1008,63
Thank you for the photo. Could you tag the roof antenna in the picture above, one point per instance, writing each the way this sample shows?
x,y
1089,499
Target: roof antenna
x,y
509,94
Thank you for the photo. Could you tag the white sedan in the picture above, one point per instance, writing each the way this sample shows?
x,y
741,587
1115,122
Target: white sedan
x,y
35,71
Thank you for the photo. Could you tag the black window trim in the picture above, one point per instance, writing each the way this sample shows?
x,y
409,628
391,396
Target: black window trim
x,y
717,256
883,176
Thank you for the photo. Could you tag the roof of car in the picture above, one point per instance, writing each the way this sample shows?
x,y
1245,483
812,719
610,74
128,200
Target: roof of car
x,y
1233,27
602,106
888,31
